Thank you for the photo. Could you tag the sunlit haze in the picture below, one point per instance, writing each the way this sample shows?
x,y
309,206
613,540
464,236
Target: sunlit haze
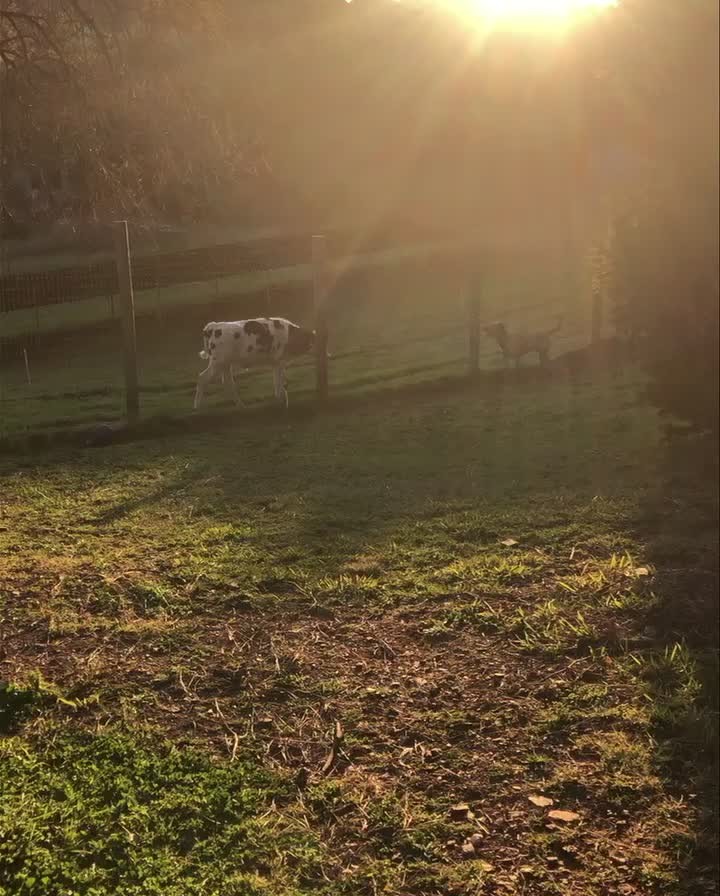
x,y
530,11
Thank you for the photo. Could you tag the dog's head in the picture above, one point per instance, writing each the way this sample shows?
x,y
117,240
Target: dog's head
x,y
497,331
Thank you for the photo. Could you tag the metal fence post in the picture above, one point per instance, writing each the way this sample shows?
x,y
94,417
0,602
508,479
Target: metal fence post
x,y
320,290
127,318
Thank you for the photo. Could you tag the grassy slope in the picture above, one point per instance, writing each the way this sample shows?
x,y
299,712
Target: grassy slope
x,y
240,593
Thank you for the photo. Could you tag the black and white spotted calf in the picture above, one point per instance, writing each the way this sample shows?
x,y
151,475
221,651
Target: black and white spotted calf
x,y
260,342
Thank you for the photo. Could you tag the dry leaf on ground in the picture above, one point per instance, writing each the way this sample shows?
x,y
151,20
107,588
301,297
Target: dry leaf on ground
x,y
563,815
541,801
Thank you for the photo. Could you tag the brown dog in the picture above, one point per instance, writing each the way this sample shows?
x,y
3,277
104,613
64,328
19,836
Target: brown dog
x,y
514,346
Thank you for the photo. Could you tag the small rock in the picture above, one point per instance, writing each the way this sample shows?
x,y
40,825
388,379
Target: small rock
x,y
467,850
476,839
460,812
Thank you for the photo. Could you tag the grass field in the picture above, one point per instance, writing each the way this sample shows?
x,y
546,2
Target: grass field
x,y
395,320
501,595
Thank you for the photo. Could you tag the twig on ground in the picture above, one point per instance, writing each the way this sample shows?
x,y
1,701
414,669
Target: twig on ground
x,y
567,668
338,736
387,649
276,657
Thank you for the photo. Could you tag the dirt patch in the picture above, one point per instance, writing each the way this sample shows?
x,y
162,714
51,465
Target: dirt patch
x,y
472,719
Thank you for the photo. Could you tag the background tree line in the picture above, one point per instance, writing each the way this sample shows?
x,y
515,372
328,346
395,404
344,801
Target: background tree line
x,y
249,111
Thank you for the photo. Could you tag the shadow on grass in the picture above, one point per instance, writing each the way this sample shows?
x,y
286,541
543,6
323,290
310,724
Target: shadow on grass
x,y
680,526
315,492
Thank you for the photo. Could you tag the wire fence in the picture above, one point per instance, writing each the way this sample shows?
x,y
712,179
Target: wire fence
x,y
396,309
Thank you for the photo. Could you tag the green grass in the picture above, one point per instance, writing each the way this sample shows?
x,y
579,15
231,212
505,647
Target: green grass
x,y
109,813
498,593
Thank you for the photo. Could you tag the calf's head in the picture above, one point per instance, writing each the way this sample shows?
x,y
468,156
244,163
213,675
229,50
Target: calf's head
x,y
300,340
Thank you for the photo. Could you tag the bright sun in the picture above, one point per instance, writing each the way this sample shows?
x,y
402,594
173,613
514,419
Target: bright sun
x,y
529,10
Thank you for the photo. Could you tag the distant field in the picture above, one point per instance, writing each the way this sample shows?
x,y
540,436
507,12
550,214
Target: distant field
x,y
402,322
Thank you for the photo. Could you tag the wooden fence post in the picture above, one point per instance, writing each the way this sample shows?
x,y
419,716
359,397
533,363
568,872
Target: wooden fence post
x,y
473,283
596,325
127,318
320,290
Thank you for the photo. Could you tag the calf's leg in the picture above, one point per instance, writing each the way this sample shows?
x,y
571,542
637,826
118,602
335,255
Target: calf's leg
x,y
228,381
203,379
